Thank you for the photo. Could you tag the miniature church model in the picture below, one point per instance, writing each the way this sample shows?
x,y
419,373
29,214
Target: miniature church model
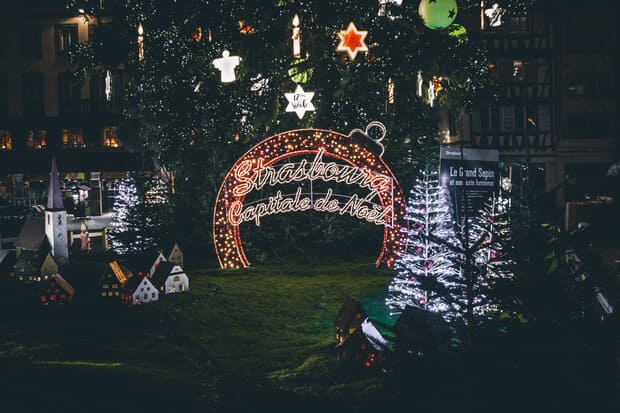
x,y
56,219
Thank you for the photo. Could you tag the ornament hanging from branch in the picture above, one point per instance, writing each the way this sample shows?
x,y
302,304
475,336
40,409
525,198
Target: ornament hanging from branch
x,y
140,42
390,91
108,85
431,93
437,14
419,81
197,34
494,14
300,102
296,37
245,28
352,41
383,8
226,65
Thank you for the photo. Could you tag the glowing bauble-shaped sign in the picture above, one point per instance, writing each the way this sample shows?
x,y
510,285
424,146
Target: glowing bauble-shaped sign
x,y
437,14
298,73
227,64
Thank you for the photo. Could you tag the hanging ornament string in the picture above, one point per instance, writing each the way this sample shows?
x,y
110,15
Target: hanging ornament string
x,y
366,134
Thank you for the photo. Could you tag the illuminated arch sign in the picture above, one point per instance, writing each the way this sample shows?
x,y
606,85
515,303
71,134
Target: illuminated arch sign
x,y
326,156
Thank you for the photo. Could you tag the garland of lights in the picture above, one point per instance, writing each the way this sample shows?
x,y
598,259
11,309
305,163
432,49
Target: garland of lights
x,y
351,150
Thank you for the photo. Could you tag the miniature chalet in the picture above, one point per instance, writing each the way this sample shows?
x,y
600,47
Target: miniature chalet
x,y
170,278
35,265
114,279
175,255
56,292
349,318
139,290
365,347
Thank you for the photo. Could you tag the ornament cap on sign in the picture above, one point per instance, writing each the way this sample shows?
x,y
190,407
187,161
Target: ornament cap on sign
x,y
352,41
367,135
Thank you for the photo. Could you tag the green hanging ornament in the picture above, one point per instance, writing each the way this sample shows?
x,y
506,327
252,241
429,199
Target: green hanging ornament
x,y
298,73
437,14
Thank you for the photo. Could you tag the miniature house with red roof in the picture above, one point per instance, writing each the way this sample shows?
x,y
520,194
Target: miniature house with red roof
x,y
139,290
56,292
365,347
170,278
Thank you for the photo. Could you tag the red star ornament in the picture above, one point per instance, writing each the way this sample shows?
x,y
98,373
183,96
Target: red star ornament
x,y
352,41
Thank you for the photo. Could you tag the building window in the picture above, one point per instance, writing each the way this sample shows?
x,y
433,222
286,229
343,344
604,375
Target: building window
x,y
66,35
508,118
517,24
110,137
69,95
33,93
73,138
4,92
36,139
6,141
517,70
30,41
589,84
544,118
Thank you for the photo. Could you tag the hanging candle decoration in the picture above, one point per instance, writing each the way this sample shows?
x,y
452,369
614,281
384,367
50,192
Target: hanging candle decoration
x,y
437,14
296,37
226,65
431,93
419,81
299,102
390,91
108,85
140,42
352,41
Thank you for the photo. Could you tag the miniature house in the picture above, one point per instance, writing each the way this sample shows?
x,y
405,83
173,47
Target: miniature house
x,y
113,280
56,292
170,278
365,347
35,265
175,255
147,263
139,290
31,235
419,331
349,318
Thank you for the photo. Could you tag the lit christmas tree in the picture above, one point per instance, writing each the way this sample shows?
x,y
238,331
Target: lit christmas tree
x,y
428,277
125,235
490,240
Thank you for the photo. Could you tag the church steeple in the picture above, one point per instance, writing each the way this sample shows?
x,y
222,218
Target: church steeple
x,y
54,196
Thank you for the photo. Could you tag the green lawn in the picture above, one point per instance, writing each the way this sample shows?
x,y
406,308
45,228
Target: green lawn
x,y
262,339
264,330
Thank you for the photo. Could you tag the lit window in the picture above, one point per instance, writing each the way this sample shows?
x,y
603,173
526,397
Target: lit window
x,y
110,137
6,141
177,278
73,138
517,70
36,139
66,35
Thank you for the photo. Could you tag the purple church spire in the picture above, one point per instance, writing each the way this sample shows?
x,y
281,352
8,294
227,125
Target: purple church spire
x,y
54,196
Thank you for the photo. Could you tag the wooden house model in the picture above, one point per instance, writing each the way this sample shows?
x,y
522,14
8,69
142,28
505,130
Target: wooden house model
x,y
35,265
419,331
139,290
174,254
349,318
365,347
170,278
56,292
114,279
147,263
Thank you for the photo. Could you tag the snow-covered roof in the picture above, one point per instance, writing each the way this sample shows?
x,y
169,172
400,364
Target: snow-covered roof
x,y
373,335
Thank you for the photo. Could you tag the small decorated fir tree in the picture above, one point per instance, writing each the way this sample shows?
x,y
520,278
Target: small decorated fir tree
x,y
428,277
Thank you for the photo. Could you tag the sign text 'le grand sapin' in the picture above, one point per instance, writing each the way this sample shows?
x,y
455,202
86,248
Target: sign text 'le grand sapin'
x,y
251,178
